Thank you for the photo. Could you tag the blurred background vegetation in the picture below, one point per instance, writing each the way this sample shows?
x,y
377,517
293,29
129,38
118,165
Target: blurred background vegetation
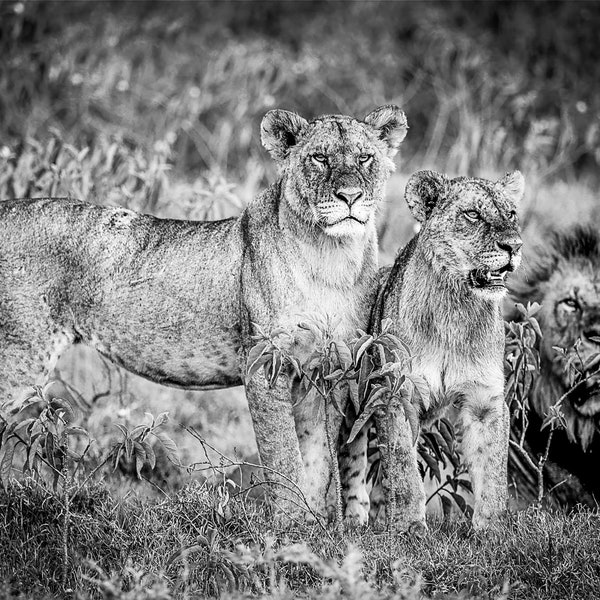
x,y
157,105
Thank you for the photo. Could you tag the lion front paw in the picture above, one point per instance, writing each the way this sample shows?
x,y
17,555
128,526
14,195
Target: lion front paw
x,y
357,513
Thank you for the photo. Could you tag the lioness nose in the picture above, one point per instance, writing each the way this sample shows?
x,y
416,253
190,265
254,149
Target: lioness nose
x,y
510,246
349,195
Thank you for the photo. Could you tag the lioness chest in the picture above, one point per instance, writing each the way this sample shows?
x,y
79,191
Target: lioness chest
x,y
332,288
452,376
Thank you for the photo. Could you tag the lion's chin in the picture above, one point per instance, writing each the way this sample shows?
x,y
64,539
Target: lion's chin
x,y
347,227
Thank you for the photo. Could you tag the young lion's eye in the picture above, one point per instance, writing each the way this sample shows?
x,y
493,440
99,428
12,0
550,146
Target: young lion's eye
x,y
363,159
320,158
472,215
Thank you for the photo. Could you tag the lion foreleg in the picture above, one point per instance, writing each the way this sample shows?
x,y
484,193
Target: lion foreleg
x,y
275,431
401,481
353,462
318,429
484,446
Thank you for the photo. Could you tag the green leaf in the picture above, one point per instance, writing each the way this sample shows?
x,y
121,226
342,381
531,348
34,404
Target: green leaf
x,y
432,465
366,368
161,419
150,455
7,454
375,396
335,375
536,327
360,421
296,365
140,458
386,325
354,395
275,368
170,448
58,404
33,451
255,353
360,347
260,362
412,417
447,432
422,390
128,448
76,430
343,352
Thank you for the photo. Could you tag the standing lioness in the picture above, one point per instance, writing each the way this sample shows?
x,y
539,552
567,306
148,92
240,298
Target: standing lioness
x,y
444,295
174,301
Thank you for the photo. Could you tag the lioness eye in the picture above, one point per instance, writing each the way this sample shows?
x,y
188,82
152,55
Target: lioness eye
x,y
364,158
472,215
512,215
570,304
320,158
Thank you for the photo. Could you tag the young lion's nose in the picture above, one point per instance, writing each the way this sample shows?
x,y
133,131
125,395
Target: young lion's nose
x,y
349,194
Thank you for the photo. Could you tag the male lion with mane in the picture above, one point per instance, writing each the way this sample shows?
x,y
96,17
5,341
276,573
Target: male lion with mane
x,y
444,294
175,301
563,276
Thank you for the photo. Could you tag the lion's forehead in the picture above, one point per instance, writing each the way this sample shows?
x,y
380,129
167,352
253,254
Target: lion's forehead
x,y
484,196
332,134
579,279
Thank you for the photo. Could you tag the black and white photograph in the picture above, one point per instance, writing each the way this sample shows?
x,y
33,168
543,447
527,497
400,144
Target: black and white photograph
x,y
300,299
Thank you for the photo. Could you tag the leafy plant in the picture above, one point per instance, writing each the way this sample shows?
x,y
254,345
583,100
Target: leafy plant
x,y
41,438
374,371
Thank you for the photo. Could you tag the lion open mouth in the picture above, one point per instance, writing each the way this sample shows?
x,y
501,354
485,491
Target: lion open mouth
x,y
488,279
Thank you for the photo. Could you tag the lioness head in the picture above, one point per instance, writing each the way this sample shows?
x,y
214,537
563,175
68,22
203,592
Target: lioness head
x,y
470,226
564,277
335,167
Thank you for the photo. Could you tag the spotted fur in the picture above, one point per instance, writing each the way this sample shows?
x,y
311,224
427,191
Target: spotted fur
x,y
174,301
447,311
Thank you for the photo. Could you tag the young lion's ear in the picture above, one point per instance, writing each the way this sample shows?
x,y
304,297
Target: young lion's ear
x,y
423,191
279,131
513,185
390,123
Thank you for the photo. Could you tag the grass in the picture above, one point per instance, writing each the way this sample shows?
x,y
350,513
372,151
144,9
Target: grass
x,y
180,547
159,110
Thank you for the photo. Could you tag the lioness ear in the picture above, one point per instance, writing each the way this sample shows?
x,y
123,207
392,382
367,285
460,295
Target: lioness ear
x,y
390,123
279,131
423,191
513,185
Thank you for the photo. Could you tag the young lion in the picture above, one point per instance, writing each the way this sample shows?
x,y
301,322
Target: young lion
x,y
444,294
174,301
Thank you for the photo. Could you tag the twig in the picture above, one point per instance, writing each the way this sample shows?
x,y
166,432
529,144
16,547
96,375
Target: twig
x,y
292,487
